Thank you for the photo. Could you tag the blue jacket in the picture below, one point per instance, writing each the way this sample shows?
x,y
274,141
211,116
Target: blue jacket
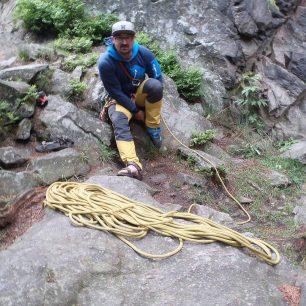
x,y
116,81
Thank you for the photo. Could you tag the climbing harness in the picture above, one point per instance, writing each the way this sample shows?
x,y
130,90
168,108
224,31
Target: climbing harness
x,y
216,171
100,208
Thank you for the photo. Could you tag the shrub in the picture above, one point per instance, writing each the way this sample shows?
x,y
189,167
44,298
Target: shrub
x,y
202,138
94,28
77,90
65,17
7,116
247,150
77,44
285,145
106,154
49,15
23,54
251,99
43,80
81,60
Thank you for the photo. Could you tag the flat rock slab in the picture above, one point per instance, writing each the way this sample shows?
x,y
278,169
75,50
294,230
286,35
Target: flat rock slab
x,y
59,165
25,73
11,157
56,263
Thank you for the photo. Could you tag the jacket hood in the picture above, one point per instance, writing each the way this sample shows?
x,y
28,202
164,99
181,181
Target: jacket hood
x,y
115,55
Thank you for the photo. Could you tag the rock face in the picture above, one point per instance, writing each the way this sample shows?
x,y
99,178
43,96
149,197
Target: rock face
x,y
227,37
61,118
89,267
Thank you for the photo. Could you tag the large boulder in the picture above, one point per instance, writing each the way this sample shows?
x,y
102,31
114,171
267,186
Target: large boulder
x,y
90,267
12,90
61,118
59,165
13,157
13,183
178,118
25,73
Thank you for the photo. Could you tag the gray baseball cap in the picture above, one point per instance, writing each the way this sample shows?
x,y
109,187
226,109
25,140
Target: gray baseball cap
x,y
123,27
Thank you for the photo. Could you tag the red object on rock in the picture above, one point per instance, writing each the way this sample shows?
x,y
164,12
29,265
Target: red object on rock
x,y
42,99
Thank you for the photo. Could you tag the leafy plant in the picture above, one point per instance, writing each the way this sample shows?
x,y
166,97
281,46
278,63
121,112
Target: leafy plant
x,y
295,170
76,44
202,138
106,154
85,61
47,52
247,150
43,80
76,90
251,99
7,116
211,172
191,161
49,15
30,97
23,54
285,145
66,17
94,28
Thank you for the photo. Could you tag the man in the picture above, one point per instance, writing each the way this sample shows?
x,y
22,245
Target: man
x,y
123,70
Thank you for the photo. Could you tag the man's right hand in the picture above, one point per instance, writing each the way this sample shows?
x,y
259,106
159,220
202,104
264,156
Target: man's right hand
x,y
140,115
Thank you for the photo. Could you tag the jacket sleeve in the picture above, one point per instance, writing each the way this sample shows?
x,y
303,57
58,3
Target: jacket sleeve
x,y
152,68
113,86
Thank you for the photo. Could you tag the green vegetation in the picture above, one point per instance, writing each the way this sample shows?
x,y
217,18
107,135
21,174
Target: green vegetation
x,y
67,18
250,100
191,161
23,54
292,168
106,154
75,44
76,91
43,80
7,116
85,61
201,138
202,196
30,97
285,145
188,81
56,16
9,111
247,150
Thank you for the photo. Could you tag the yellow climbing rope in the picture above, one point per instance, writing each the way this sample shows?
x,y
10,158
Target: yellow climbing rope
x,y
217,173
100,208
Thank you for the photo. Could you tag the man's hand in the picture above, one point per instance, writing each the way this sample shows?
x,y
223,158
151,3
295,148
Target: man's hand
x,y
140,115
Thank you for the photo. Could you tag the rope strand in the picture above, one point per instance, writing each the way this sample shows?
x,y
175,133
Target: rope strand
x,y
103,209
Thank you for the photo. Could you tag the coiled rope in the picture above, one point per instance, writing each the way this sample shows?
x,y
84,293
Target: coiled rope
x,y
217,173
103,209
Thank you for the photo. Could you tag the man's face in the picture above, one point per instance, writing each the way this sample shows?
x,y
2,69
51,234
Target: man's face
x,y
124,43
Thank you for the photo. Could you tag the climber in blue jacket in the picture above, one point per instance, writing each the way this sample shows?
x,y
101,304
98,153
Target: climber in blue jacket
x,y
132,78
